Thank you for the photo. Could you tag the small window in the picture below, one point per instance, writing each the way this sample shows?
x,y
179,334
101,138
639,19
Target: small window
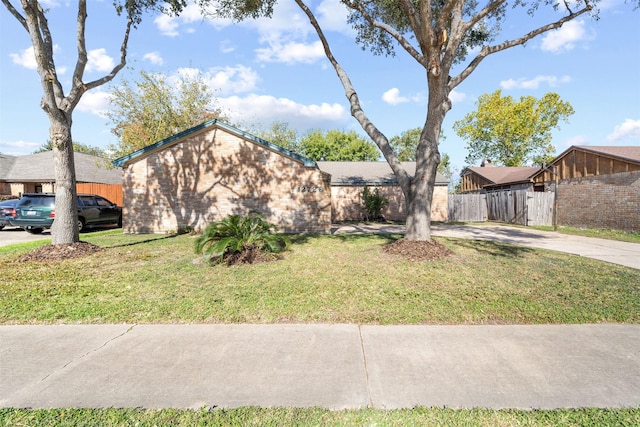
x,y
103,202
86,201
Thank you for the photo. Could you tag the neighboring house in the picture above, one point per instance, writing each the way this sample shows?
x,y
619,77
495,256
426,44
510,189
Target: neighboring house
x,y
348,180
599,186
34,173
491,178
213,170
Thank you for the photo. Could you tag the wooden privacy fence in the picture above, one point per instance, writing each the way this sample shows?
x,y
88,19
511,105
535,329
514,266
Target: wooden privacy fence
x,y
112,192
510,206
467,207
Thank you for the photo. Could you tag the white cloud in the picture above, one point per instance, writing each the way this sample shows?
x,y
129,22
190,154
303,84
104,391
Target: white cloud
x,y
227,46
628,129
265,109
170,25
26,58
332,16
291,52
226,80
566,37
98,60
95,102
19,144
154,58
457,96
576,140
167,25
552,81
392,97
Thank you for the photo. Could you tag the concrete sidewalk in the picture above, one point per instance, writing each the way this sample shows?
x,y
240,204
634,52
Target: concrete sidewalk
x,y
332,366
622,253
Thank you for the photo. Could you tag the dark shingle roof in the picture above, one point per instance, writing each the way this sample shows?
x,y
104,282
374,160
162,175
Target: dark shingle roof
x,y
504,174
368,173
39,168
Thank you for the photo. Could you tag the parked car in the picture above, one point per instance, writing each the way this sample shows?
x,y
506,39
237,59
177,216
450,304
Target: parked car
x,y
7,212
36,212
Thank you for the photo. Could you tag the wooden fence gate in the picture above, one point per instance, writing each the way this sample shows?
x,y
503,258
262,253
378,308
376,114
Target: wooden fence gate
x,y
509,206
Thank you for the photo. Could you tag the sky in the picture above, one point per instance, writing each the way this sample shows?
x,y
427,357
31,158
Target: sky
x,y
268,70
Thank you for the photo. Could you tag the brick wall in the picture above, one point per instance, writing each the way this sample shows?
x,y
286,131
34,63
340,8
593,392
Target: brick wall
x,y
346,203
213,174
605,201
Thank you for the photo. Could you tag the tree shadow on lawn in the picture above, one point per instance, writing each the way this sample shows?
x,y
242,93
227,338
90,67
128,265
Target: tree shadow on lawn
x,y
487,247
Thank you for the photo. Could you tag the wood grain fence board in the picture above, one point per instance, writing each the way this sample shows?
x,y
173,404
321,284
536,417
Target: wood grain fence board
x,y
112,192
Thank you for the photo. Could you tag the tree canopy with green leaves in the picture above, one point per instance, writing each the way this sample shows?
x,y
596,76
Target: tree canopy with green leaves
x,y
510,132
279,133
58,105
156,107
77,148
337,145
437,34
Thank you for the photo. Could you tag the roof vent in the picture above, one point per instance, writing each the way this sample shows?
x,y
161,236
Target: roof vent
x,y
486,163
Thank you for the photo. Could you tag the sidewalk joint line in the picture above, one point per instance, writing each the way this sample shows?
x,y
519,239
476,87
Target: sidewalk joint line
x,y
129,329
366,367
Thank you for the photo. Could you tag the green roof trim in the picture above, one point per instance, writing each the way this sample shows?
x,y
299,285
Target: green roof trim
x,y
214,122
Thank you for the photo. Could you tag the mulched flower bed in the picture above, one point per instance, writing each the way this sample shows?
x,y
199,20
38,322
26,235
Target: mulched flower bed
x,y
55,253
418,250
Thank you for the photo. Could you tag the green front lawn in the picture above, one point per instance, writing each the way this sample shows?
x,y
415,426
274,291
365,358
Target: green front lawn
x,y
323,279
276,417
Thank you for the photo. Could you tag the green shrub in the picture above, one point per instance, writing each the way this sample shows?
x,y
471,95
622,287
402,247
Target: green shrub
x,y
374,202
239,239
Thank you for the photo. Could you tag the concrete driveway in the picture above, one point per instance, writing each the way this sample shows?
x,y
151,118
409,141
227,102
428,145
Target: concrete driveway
x,y
13,235
623,253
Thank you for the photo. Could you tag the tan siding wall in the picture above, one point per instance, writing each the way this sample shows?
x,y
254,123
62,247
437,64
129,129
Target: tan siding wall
x,y
346,203
214,174
606,201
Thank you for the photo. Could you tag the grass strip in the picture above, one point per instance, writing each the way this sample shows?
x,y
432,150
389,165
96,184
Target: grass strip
x,y
251,416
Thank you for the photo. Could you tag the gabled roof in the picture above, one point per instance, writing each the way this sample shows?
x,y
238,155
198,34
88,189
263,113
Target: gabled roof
x,y
172,140
39,168
626,153
6,163
368,173
501,175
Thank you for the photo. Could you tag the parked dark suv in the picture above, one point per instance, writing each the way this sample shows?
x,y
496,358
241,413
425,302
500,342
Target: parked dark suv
x,y
36,212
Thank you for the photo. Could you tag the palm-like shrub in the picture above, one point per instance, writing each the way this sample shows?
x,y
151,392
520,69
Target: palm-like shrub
x,y
239,239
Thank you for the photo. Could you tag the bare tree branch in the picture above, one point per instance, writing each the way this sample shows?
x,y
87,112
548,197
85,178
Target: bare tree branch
x,y
356,5
356,110
16,14
489,50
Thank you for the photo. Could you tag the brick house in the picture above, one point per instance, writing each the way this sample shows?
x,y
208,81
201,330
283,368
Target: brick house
x,y
34,173
599,186
348,180
213,170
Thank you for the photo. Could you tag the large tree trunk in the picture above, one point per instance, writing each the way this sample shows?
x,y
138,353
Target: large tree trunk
x,y
65,225
419,195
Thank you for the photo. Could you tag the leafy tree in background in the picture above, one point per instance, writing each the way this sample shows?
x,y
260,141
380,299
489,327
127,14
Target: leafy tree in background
x,y
280,134
58,105
405,145
156,107
337,145
77,148
510,132
437,34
